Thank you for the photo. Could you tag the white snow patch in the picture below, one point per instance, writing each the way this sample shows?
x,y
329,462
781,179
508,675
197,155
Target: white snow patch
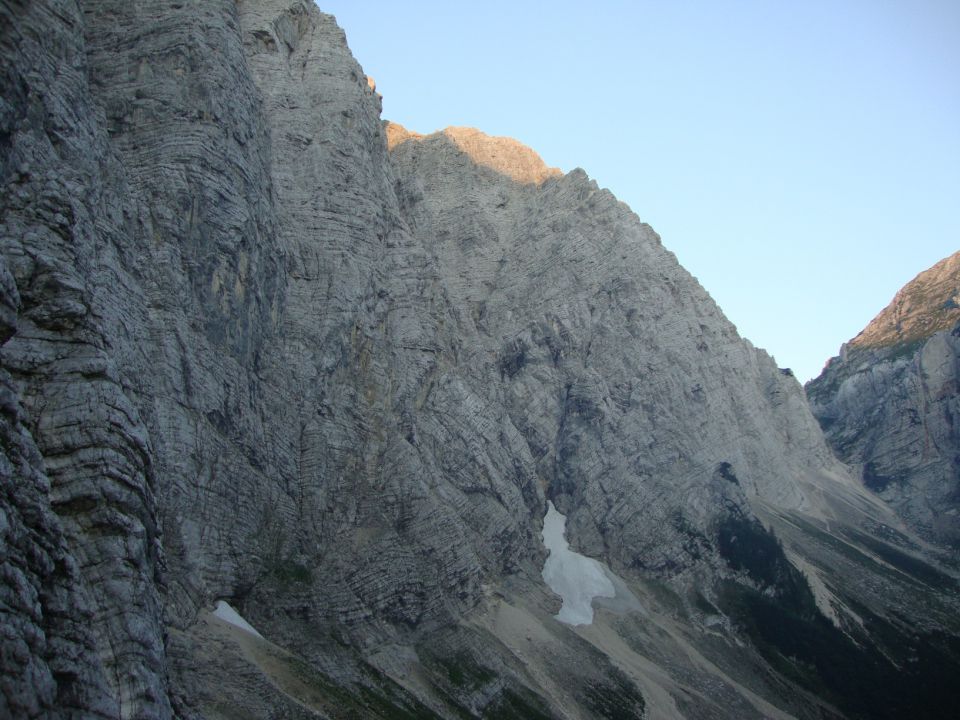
x,y
228,614
576,578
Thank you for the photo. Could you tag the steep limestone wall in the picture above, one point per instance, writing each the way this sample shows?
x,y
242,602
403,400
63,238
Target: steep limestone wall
x,y
223,335
68,243
888,403
634,393
251,354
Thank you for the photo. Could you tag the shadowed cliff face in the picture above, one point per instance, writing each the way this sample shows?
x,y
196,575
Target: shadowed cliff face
x,y
65,223
253,355
222,338
888,403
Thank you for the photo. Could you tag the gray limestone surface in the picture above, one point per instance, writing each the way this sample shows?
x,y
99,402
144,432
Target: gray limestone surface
x,y
260,347
889,403
628,384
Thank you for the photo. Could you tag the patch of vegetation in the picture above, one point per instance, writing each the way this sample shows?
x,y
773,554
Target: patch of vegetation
x,y
906,563
850,552
462,671
289,572
459,675
747,545
354,702
618,700
514,705
701,603
695,543
227,709
393,708
875,481
886,672
725,471
513,359
906,348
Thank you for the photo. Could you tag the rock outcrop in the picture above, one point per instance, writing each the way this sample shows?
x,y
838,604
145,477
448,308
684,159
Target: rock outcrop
x,y
888,403
261,348
623,377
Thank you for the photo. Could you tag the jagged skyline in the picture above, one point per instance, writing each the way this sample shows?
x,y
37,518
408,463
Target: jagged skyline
x,y
802,162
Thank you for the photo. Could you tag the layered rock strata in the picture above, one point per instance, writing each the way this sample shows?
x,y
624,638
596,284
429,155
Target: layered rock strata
x,y
888,403
260,348
630,388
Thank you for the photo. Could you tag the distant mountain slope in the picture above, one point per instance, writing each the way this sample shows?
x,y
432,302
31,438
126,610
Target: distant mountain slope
x,y
927,304
889,404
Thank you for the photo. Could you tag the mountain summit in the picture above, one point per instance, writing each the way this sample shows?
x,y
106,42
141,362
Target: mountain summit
x,y
926,305
888,402
500,154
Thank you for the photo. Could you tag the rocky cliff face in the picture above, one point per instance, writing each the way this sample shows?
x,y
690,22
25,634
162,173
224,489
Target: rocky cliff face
x,y
260,348
625,380
888,403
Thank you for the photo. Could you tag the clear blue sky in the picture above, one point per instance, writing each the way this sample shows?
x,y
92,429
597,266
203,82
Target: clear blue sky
x,y
802,159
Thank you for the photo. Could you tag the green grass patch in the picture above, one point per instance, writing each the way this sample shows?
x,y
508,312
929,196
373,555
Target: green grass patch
x,y
905,562
289,572
887,671
354,701
516,705
462,671
617,699
747,545
458,676
850,552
